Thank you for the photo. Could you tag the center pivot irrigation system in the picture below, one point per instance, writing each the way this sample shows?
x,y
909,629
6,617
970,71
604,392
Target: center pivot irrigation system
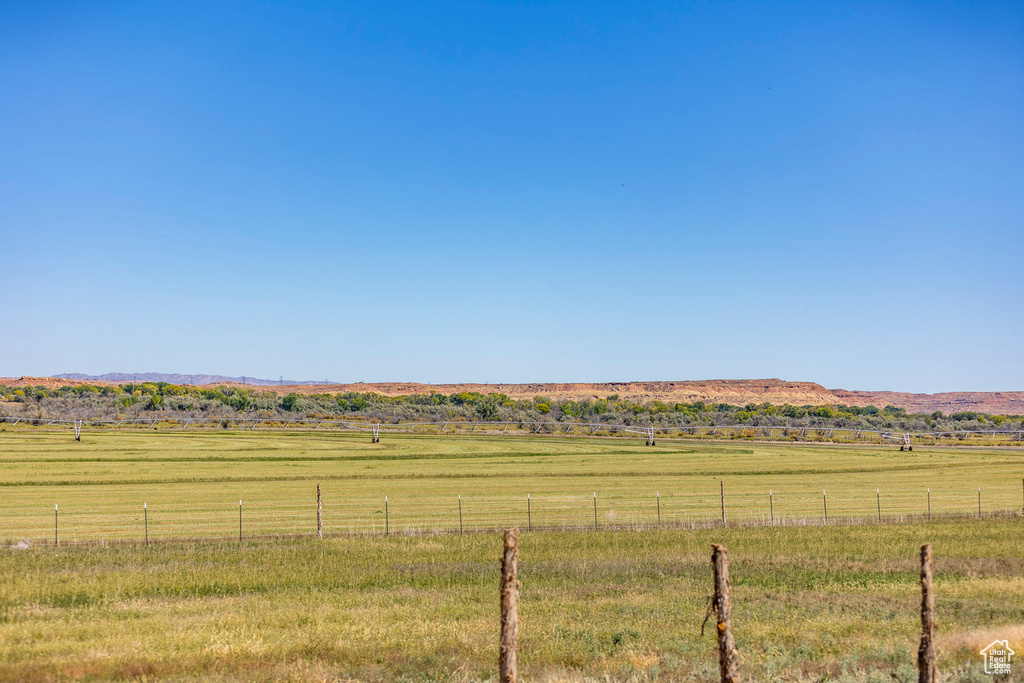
x,y
375,429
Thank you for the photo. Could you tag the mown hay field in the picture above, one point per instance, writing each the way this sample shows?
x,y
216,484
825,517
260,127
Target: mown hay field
x,y
625,602
191,483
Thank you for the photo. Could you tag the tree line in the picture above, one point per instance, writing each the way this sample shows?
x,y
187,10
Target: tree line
x,y
86,401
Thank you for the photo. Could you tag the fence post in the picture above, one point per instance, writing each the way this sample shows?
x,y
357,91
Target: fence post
x,y
145,513
595,509
508,669
56,538
979,501
385,515
319,513
239,521
878,502
926,672
771,507
929,503
722,484
727,654
657,494
460,514
824,502
529,514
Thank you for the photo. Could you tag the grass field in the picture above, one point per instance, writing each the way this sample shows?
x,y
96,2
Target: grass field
x,y
812,602
192,482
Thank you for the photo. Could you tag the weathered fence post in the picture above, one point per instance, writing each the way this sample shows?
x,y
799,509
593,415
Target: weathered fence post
x,y
239,521
319,513
728,656
56,538
722,484
460,514
926,672
145,515
824,503
595,509
508,669
878,502
657,495
529,514
771,507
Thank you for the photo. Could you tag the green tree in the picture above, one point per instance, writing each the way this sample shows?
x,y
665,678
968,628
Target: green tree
x,y
487,410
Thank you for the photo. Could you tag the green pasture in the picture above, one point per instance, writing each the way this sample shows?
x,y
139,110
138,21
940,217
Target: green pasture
x,y
810,604
191,483
622,603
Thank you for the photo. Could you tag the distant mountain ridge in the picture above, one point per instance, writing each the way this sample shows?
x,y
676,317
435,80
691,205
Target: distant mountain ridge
x,y
178,378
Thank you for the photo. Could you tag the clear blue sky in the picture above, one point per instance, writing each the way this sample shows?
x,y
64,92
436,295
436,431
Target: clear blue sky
x,y
515,192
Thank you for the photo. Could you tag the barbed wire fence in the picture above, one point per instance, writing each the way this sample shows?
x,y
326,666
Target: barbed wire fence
x,y
74,520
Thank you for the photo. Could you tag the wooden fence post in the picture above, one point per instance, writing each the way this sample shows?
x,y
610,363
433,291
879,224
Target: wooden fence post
x,y
508,669
722,485
319,513
728,656
926,672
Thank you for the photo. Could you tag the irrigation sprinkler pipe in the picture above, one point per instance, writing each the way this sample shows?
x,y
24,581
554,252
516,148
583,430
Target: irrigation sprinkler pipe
x,y
314,425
